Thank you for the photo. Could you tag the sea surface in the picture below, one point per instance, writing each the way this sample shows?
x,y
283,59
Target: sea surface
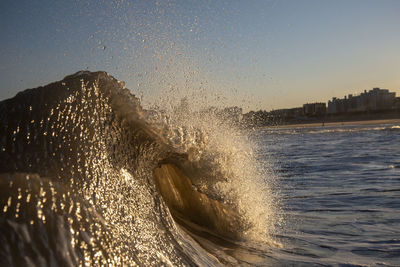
x,y
88,177
340,188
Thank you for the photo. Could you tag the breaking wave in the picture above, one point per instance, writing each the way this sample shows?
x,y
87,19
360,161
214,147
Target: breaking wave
x,y
89,177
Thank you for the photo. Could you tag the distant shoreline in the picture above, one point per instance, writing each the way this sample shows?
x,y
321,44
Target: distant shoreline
x,y
260,119
337,123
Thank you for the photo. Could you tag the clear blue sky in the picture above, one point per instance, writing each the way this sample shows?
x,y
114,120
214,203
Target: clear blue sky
x,y
256,54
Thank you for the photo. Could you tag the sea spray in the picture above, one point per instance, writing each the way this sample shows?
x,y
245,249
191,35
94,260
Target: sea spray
x,y
216,141
84,143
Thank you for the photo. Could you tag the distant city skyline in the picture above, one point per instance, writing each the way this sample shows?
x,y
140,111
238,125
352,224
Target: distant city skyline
x,y
253,54
352,94
374,104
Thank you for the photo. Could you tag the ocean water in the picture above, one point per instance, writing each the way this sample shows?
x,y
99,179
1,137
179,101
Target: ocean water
x,y
88,177
340,187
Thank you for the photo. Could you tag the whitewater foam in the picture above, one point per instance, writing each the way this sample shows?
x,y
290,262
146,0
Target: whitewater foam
x,y
230,171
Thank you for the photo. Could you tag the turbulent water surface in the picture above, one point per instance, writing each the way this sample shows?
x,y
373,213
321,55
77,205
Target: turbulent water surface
x,y
341,186
90,177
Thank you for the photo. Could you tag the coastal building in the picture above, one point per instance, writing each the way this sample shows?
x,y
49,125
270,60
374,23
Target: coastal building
x,y
397,103
314,109
374,100
288,112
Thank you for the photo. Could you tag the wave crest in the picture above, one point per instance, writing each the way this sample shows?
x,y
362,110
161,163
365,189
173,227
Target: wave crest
x,y
89,135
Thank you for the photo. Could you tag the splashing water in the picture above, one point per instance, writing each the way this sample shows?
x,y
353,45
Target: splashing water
x,y
214,138
88,138
92,140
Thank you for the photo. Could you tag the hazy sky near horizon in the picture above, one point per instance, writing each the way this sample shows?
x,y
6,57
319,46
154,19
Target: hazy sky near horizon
x,y
255,54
